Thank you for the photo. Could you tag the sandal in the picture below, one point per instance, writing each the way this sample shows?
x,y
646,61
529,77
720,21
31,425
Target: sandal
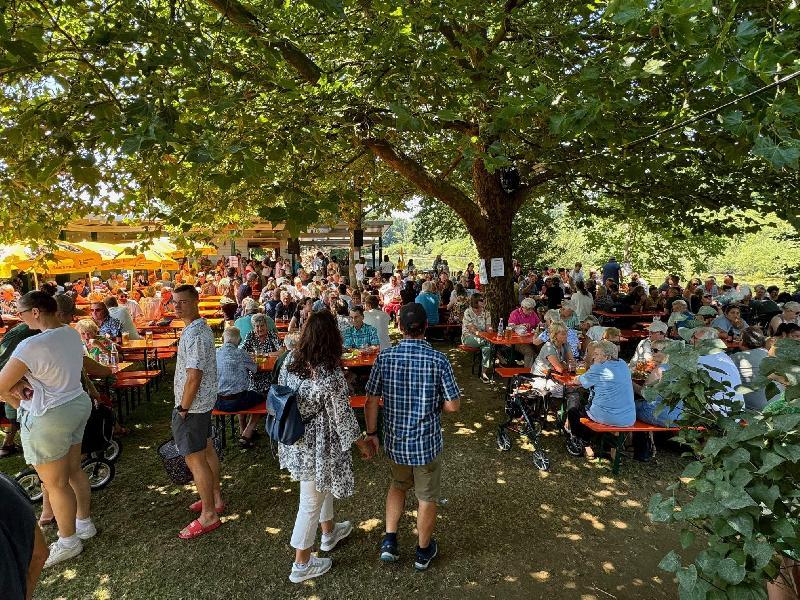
x,y
245,443
196,529
198,507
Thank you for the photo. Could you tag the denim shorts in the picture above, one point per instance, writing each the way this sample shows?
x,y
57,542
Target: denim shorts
x,y
48,438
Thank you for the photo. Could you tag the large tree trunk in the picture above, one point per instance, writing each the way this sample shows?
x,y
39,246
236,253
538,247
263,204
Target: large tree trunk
x,y
492,235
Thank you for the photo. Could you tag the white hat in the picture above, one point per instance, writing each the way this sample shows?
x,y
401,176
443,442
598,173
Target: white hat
x,y
658,327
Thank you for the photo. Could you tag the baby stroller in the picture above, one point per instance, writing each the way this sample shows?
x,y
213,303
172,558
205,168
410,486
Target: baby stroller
x,y
526,409
100,451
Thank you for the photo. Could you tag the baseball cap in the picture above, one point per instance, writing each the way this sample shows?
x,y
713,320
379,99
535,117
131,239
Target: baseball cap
x,y
658,327
413,318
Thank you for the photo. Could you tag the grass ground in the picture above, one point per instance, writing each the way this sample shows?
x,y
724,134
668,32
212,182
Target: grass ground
x,y
506,530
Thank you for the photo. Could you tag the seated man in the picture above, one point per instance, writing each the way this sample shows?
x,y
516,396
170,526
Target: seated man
x,y
286,308
234,367
657,330
359,334
719,367
121,314
379,320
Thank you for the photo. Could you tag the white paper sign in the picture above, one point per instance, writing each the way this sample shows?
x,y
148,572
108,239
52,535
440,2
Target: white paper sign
x,y
233,261
498,267
482,272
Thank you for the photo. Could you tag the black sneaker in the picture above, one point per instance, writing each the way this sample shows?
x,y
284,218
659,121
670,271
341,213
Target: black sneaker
x,y
389,551
423,559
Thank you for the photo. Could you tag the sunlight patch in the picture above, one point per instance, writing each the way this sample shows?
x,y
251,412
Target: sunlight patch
x,y
369,524
272,530
540,575
619,524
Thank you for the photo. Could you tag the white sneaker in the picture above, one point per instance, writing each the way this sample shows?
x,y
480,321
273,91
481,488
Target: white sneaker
x,y
314,568
340,531
86,532
59,552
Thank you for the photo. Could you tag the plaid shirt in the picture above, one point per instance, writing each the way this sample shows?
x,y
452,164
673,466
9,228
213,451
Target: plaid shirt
x,y
414,380
359,338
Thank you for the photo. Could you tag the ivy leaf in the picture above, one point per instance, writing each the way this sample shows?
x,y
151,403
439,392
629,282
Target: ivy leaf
x,y
760,551
687,538
670,563
693,469
687,578
730,571
770,460
743,523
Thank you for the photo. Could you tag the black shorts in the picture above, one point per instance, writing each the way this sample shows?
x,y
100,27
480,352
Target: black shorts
x,y
192,432
241,401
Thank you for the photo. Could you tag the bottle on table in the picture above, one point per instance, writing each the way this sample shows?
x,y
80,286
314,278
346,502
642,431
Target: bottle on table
x,y
500,329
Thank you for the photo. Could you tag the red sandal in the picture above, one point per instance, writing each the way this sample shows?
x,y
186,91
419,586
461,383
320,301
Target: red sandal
x,y
198,507
196,529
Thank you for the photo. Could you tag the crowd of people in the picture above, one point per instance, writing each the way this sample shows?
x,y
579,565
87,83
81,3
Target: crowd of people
x,y
324,314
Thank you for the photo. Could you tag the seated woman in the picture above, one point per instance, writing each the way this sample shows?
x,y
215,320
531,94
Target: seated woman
x,y
730,323
459,302
477,319
525,316
555,355
634,301
612,399
655,412
790,314
679,316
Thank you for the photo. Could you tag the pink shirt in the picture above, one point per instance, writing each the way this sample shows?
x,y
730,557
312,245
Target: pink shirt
x,y
519,318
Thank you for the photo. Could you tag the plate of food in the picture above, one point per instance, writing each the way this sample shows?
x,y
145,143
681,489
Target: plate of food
x,y
350,354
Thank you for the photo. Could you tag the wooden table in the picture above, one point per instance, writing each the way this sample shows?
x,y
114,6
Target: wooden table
x,y
145,345
507,340
121,367
568,379
210,299
268,364
208,304
364,359
630,315
11,321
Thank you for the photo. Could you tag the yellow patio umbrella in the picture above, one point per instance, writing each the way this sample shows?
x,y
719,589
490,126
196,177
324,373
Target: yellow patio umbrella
x,y
58,259
114,256
164,246
149,259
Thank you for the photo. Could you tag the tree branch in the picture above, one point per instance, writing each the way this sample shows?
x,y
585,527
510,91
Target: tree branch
x,y
239,15
416,174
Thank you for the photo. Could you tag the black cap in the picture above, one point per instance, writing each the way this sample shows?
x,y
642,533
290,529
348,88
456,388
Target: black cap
x,y
413,318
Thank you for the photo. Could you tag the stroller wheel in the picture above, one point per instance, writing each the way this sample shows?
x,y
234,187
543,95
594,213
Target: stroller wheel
x,y
113,450
503,441
540,460
30,482
574,445
100,472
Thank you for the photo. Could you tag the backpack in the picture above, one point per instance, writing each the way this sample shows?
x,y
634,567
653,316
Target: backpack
x,y
283,422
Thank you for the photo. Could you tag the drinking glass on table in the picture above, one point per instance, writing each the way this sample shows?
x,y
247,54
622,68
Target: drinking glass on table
x,y
148,337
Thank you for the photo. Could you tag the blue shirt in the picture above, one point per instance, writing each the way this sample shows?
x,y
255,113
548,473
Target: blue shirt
x,y
572,339
234,366
414,380
360,338
611,271
244,325
430,302
612,403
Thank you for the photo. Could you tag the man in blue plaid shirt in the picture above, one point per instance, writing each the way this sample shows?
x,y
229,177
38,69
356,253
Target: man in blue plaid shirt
x,y
417,384
360,335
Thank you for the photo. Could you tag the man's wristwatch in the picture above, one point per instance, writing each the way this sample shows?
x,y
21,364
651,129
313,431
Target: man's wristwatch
x,y
180,409
368,434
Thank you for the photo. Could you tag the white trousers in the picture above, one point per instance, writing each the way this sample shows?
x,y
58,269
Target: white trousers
x,y
315,507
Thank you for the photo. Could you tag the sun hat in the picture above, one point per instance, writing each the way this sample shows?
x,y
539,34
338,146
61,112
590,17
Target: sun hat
x,y
707,311
658,327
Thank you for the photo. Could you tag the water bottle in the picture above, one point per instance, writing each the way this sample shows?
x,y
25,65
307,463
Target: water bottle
x,y
113,356
500,328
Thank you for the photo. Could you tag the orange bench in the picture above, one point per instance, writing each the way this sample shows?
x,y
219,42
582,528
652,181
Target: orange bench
x,y
360,401
476,357
637,427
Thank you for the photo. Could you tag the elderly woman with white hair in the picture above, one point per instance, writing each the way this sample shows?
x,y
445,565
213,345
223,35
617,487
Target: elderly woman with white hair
x,y
555,355
611,400
680,315
526,317
260,341
554,316
790,314
8,299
